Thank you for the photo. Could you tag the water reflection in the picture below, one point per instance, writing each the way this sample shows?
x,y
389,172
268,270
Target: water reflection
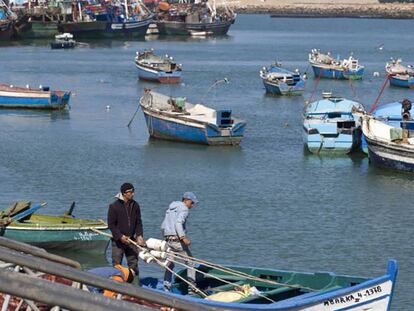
x,y
18,114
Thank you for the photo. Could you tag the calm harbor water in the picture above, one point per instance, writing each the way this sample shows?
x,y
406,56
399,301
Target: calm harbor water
x,y
266,203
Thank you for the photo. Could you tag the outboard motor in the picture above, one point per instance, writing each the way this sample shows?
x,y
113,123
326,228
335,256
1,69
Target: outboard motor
x,y
405,109
224,118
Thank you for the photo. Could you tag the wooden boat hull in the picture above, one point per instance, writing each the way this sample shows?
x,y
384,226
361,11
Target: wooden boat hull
x,y
164,127
390,156
62,45
107,29
181,28
385,150
402,82
331,292
59,239
340,144
6,30
32,99
336,73
284,88
57,232
148,74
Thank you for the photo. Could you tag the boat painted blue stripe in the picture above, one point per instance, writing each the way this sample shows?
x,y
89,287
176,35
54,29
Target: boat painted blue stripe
x,y
407,83
174,130
308,299
6,100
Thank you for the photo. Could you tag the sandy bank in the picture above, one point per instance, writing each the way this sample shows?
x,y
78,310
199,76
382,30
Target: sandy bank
x,y
324,8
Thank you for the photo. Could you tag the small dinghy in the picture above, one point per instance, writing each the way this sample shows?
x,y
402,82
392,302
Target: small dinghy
x,y
63,41
399,74
161,69
21,222
25,97
176,119
280,81
325,66
331,126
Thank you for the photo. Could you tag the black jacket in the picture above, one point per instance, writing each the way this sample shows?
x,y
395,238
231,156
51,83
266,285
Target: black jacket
x,y
125,219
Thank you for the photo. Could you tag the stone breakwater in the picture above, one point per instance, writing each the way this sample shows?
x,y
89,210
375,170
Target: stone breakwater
x,y
392,11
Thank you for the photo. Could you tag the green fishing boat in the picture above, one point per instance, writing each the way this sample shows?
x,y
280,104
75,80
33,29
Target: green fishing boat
x,y
21,223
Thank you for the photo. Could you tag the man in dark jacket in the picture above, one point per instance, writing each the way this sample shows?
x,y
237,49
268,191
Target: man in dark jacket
x,y
124,221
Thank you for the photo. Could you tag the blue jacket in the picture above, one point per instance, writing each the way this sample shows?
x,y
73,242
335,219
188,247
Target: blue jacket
x,y
175,219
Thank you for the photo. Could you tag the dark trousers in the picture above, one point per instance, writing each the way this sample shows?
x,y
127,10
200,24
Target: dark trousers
x,y
118,252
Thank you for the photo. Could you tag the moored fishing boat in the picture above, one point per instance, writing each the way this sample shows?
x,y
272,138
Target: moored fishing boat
x,y
22,223
248,288
110,21
331,126
157,68
390,144
280,81
176,119
325,66
400,75
194,19
42,98
391,114
7,21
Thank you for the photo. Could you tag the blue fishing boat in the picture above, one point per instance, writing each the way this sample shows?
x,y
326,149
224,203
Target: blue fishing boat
x,y
176,119
280,81
41,98
331,126
389,146
325,66
400,75
249,288
161,69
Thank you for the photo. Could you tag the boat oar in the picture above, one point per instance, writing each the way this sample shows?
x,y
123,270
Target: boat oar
x,y
133,116
70,210
27,212
156,260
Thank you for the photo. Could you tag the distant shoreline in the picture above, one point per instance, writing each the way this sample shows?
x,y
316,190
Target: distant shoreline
x,y
323,10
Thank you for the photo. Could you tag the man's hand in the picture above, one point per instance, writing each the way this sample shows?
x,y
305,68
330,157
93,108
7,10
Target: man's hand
x,y
141,241
186,241
124,239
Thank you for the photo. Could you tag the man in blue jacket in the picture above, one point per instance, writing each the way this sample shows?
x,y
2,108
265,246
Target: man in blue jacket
x,y
174,230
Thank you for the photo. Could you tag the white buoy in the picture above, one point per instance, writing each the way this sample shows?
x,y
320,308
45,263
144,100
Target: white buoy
x,y
108,107
156,244
145,256
158,254
305,76
376,74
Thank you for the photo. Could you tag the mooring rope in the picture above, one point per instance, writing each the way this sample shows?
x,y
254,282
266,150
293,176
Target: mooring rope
x,y
213,265
156,259
380,94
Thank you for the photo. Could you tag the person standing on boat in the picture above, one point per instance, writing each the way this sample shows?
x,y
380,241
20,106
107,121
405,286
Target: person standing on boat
x,y
174,231
124,221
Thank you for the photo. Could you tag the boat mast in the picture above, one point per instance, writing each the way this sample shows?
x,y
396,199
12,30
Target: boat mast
x,y
126,9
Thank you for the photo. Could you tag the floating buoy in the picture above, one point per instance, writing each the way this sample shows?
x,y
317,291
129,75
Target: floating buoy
x,y
376,74
305,76
157,245
108,107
